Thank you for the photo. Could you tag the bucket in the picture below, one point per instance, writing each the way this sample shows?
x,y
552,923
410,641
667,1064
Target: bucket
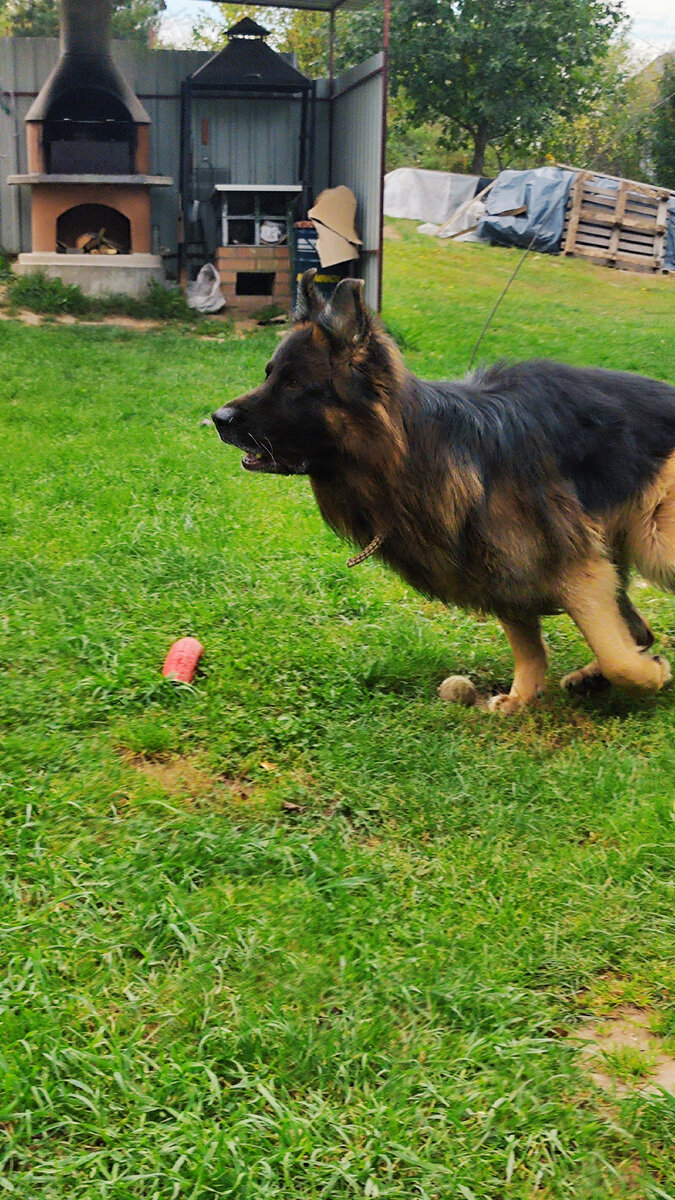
x,y
306,258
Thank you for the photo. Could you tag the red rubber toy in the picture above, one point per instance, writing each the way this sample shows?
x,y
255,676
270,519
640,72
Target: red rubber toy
x,y
180,663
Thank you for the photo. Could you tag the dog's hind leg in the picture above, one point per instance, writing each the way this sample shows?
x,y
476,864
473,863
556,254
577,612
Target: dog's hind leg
x,y
650,530
612,628
588,680
638,627
529,653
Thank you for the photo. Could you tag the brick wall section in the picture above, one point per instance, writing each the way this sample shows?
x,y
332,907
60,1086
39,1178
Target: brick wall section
x,y
252,259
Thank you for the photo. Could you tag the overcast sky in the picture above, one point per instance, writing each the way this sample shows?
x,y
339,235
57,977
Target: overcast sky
x,y
653,21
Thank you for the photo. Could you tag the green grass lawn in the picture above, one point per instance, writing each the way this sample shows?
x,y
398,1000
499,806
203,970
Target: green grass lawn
x,y
302,930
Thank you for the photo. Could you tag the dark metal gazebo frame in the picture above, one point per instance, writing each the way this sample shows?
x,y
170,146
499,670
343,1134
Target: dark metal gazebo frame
x,y
330,7
248,69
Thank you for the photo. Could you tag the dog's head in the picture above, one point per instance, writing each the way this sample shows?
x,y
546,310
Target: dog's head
x,y
318,390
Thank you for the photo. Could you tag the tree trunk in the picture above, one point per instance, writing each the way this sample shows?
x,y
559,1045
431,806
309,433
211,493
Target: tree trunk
x,y
480,141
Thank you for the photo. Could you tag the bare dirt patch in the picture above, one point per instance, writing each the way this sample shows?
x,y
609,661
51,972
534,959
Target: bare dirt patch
x,y
622,1054
28,318
139,323
31,318
187,781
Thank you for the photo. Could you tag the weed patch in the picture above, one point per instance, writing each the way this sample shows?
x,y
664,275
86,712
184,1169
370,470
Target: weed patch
x,y
51,297
6,273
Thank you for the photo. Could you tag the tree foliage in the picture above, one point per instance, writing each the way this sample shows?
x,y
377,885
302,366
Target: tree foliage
x,y
663,145
612,131
40,18
306,36
492,71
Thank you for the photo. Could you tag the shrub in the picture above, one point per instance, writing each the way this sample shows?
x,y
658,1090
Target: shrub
x,y
159,303
45,295
168,303
6,272
663,147
52,296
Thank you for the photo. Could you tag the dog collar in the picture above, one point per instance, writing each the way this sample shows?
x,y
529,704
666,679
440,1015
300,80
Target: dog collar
x,y
369,550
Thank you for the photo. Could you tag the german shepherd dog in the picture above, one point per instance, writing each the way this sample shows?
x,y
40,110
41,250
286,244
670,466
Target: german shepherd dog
x,y
523,490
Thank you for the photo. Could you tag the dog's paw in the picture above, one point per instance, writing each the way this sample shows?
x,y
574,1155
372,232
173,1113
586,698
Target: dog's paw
x,y
506,705
587,681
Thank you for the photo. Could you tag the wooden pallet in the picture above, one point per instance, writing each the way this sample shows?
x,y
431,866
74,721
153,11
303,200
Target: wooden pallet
x,y
622,226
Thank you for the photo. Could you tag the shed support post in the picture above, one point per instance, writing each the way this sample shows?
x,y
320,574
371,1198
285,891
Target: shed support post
x,y
185,187
386,30
309,199
331,89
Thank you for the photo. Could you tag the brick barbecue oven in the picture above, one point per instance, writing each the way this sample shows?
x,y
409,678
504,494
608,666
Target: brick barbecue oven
x,y
88,149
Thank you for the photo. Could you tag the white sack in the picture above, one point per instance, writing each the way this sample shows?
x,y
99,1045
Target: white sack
x,y
205,293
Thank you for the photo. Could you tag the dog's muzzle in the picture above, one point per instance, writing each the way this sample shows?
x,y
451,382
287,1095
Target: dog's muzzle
x,y
258,456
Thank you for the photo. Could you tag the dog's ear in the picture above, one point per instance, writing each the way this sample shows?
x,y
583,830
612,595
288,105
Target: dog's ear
x,y
309,303
345,319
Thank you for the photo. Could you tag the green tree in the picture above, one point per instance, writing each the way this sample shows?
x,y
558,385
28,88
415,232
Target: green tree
x,y
612,132
493,72
40,18
663,144
306,35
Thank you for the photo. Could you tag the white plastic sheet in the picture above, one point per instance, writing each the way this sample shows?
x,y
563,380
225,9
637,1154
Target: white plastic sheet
x,y
462,228
432,196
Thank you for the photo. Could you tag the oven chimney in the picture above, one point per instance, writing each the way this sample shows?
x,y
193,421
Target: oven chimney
x,y
85,28
86,62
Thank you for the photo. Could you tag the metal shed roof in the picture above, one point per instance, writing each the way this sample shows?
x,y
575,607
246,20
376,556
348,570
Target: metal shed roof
x,y
247,63
328,6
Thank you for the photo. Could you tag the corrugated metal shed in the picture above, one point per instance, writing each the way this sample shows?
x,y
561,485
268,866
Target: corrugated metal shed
x,y
256,141
248,119
356,155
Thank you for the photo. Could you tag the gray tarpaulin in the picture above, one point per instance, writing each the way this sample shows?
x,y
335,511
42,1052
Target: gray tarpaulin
x,y
669,260
543,192
426,195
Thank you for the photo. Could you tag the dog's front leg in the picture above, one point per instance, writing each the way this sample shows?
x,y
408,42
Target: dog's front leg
x,y
529,653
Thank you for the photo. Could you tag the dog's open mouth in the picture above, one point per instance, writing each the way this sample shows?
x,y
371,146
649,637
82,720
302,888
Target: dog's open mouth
x,y
260,460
